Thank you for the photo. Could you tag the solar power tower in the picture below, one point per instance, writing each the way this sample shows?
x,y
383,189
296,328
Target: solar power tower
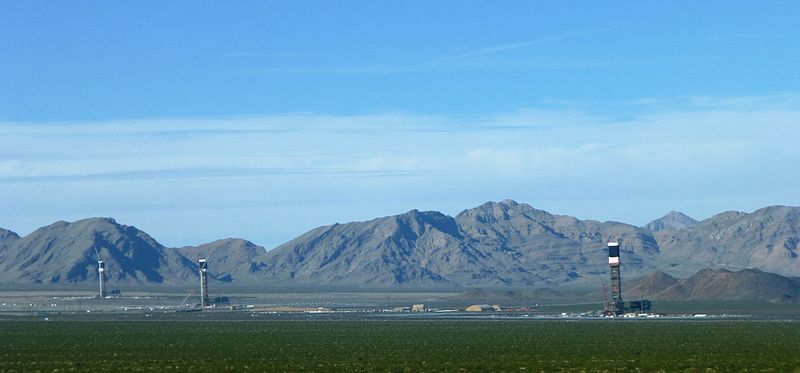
x,y
203,282
616,306
101,274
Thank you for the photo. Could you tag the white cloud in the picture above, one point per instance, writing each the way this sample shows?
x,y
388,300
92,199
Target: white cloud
x,y
390,162
542,141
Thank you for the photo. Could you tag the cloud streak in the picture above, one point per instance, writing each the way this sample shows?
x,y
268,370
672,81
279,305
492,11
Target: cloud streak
x,y
734,152
519,45
306,144
464,60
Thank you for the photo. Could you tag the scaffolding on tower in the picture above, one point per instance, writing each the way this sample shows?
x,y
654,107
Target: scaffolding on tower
x,y
615,306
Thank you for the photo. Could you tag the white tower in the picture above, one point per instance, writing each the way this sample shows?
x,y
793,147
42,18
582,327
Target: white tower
x,y
101,274
617,305
203,282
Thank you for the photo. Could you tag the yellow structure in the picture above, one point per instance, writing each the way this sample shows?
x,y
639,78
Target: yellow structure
x,y
480,308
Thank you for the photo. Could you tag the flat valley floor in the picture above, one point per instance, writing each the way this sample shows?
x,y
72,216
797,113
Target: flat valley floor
x,y
274,344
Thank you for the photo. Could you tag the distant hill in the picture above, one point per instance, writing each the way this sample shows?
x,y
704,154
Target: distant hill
x,y
672,220
68,252
411,249
495,245
746,284
230,259
706,284
767,239
648,286
514,245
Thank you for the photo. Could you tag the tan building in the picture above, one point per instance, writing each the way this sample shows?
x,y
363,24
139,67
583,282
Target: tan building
x,y
479,308
418,308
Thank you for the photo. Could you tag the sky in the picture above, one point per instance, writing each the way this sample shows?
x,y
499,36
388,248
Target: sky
x,y
264,119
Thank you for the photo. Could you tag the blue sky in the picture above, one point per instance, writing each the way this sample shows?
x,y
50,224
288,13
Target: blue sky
x,y
265,119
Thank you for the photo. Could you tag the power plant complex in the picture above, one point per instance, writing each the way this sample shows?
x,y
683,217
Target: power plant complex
x,y
615,306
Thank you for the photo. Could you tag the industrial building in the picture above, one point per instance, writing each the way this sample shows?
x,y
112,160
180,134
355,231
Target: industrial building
x,y
637,306
221,301
483,308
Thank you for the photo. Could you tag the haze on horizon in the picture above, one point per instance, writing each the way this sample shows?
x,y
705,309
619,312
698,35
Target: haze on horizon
x,y
262,120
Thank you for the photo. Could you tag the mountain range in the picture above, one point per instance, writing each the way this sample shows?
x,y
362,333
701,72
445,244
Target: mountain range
x,y
496,245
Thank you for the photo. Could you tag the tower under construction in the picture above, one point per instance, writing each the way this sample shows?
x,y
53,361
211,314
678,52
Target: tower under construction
x,y
101,274
615,306
203,282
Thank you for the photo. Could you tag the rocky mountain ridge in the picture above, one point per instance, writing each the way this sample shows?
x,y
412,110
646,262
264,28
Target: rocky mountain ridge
x,y
68,252
498,244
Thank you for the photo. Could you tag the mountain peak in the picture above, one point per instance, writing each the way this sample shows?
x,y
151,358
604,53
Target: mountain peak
x,y
505,210
672,220
67,252
648,285
414,213
500,208
230,259
232,241
7,235
417,216
504,204
97,221
224,247
82,224
417,220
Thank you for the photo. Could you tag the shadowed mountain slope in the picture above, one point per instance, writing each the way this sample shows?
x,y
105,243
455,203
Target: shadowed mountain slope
x,y
68,252
767,239
747,284
495,245
7,237
648,286
407,249
501,244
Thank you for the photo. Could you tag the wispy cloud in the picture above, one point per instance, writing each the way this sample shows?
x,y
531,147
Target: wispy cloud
x,y
239,54
366,165
495,49
469,59
390,143
488,50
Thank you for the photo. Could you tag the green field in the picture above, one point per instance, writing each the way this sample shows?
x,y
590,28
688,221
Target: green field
x,y
398,345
